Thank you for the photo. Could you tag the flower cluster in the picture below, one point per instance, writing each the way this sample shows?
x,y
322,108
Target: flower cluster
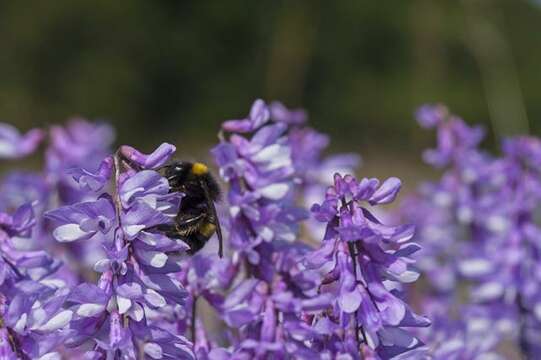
x,y
316,265
78,147
364,263
32,320
295,301
261,177
477,225
14,145
257,163
135,274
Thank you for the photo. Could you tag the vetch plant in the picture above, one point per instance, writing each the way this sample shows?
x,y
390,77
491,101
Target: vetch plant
x,y
478,226
93,264
111,315
364,263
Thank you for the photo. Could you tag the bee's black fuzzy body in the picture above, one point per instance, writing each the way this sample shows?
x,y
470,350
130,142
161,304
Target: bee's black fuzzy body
x,y
196,221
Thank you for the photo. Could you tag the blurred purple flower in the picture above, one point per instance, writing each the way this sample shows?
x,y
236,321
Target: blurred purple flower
x,y
80,144
280,113
478,223
13,145
456,140
18,188
258,116
32,320
474,334
17,263
429,116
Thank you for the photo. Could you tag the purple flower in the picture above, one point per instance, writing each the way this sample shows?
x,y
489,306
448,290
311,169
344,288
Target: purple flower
x,y
456,140
363,263
18,188
93,182
524,150
138,264
477,224
32,320
35,319
429,116
253,307
80,144
151,161
279,113
275,305
158,343
13,145
259,115
475,333
259,170
17,263
84,220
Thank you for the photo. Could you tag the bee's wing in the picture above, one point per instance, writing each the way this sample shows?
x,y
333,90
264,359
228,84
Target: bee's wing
x,y
212,209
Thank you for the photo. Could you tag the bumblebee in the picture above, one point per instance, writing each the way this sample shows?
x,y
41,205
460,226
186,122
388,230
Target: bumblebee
x,y
196,220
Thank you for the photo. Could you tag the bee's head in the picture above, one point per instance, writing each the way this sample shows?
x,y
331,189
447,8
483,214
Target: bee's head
x,y
179,172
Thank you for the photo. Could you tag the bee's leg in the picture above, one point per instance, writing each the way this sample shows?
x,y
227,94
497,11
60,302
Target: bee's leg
x,y
199,238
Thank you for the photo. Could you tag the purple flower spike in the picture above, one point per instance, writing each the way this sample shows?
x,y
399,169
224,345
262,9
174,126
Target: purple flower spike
x,y
456,140
363,262
151,161
139,258
259,115
478,223
260,172
13,145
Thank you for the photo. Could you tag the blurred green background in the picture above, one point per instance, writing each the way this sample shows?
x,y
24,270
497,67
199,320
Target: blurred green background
x,y
173,70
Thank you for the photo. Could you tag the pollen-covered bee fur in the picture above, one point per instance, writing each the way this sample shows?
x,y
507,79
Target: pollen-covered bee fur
x,y
196,221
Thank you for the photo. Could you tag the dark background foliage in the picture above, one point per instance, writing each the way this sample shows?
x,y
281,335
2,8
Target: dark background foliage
x,y
173,70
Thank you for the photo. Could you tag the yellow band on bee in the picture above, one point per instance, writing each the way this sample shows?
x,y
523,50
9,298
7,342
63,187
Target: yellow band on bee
x,y
207,229
199,168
